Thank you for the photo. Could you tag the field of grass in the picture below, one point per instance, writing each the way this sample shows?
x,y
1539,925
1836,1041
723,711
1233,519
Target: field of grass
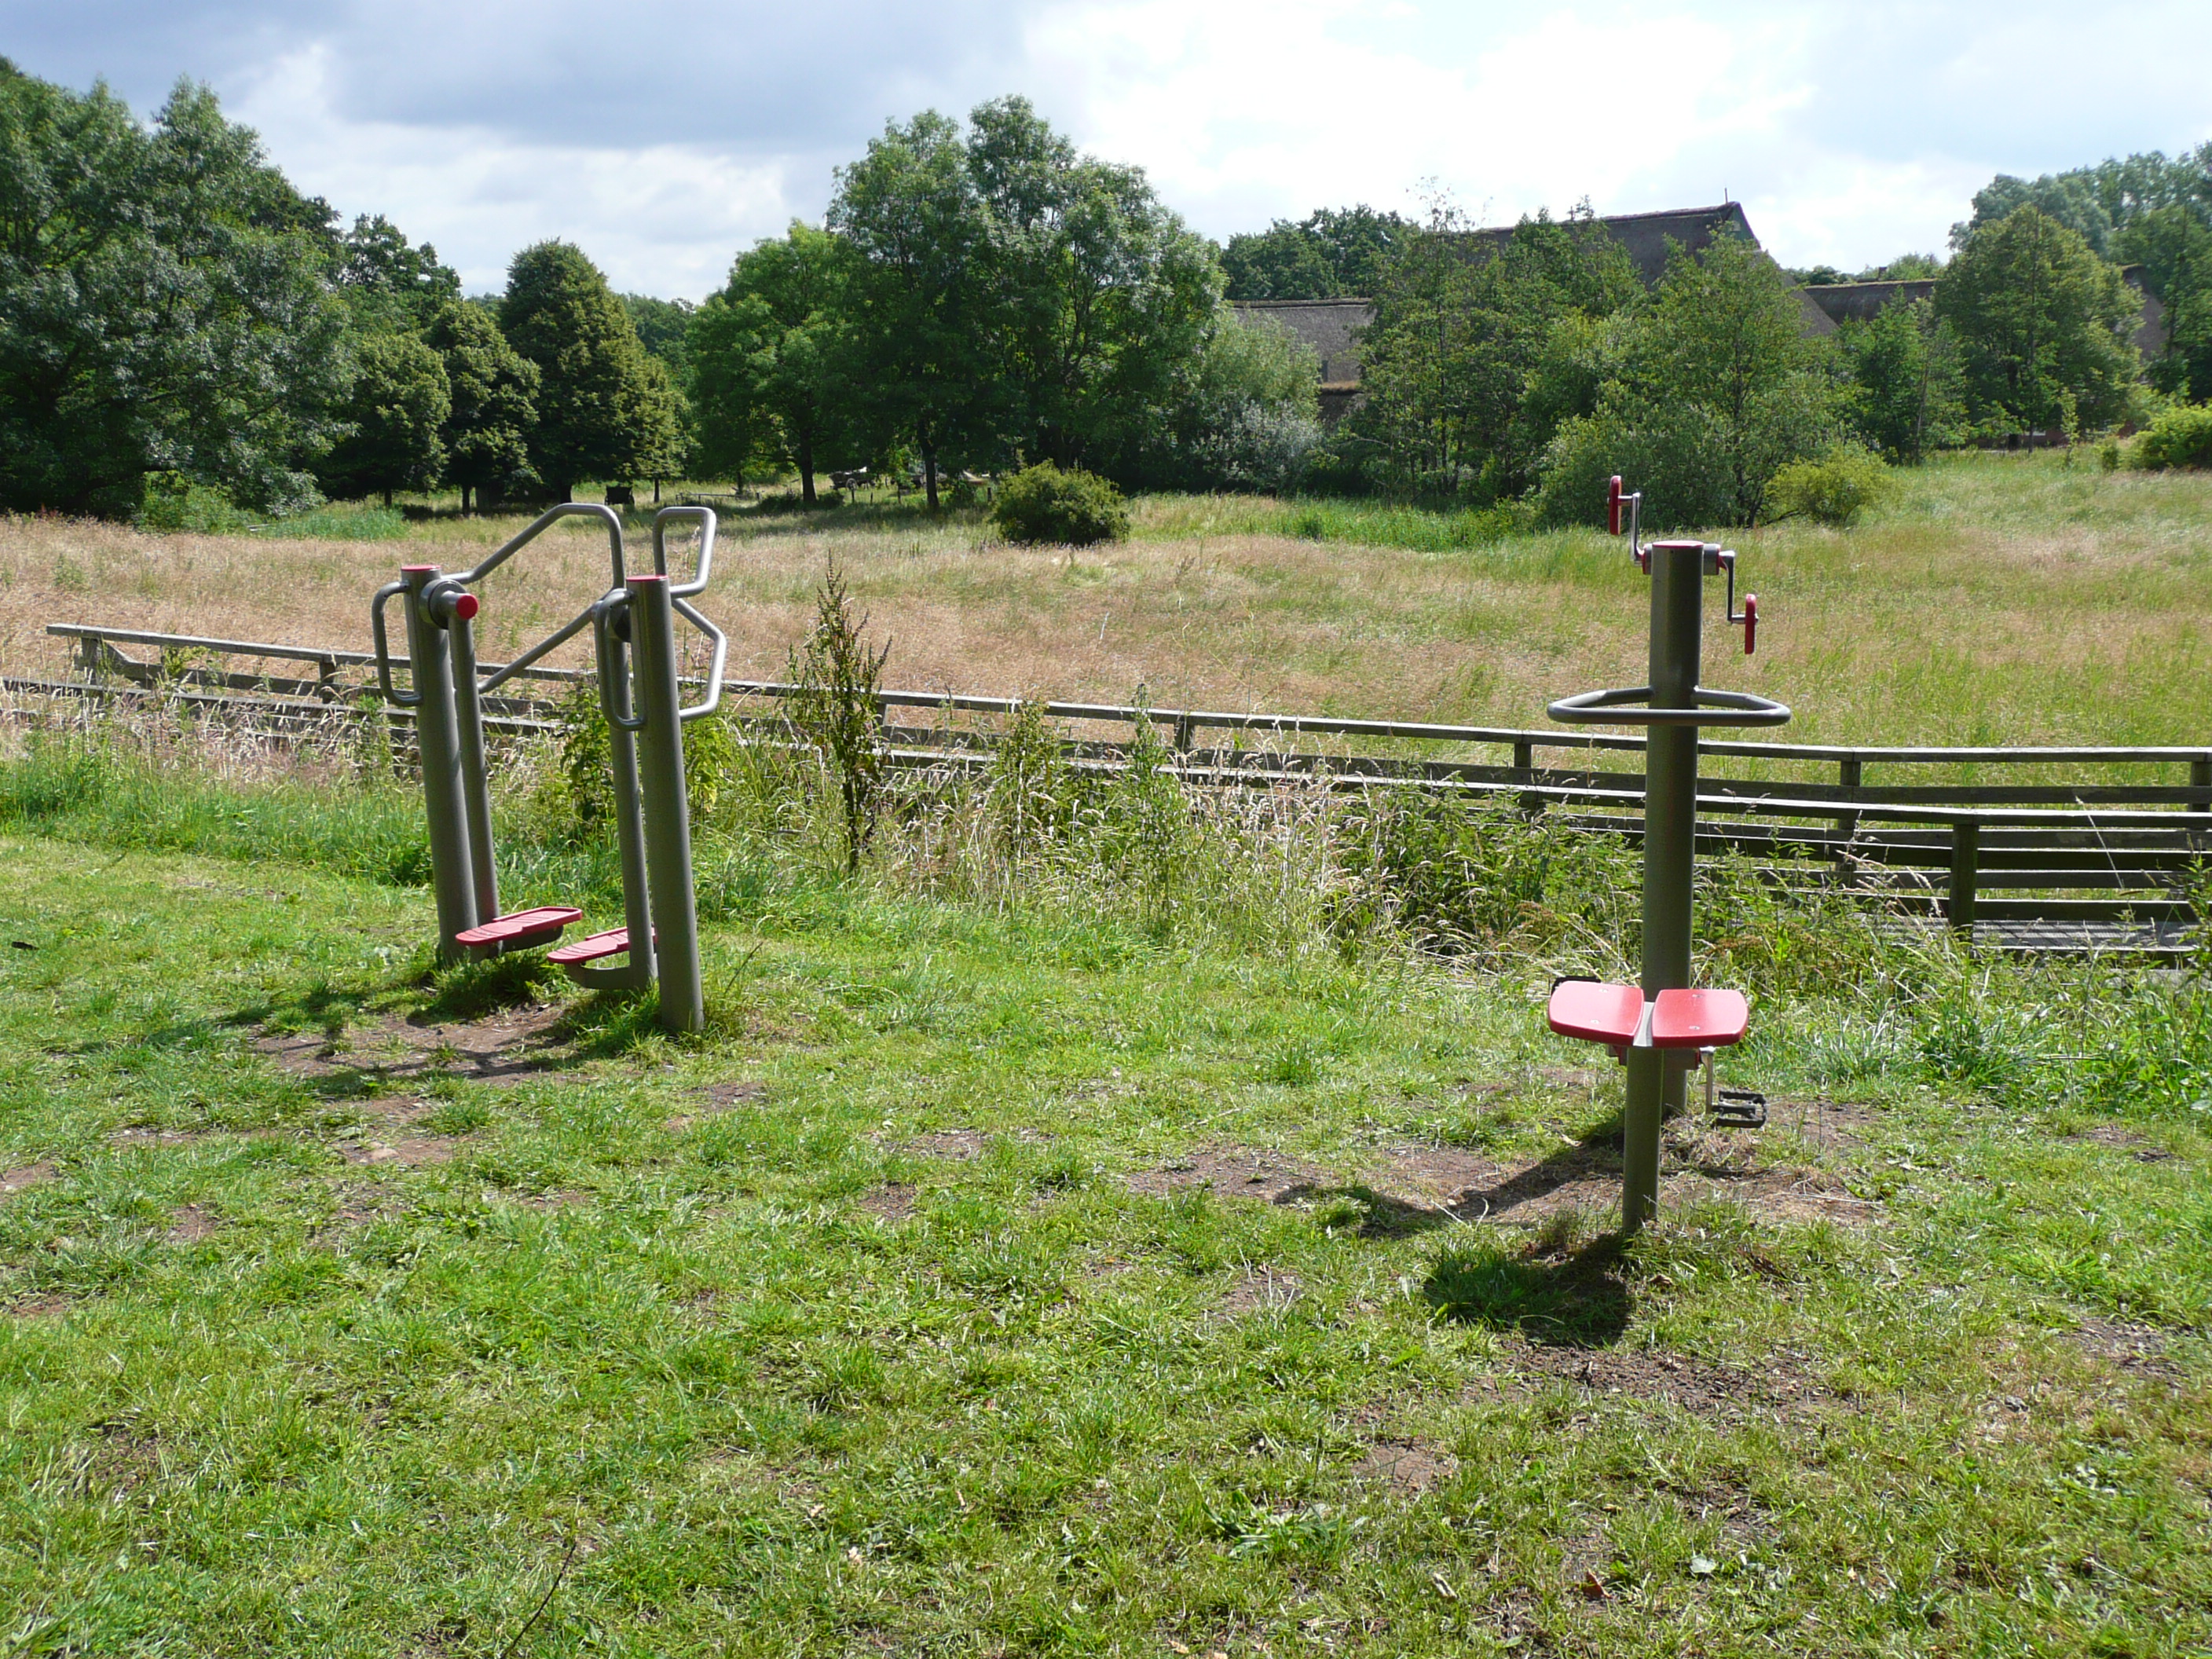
x,y
1996,599
1170,1230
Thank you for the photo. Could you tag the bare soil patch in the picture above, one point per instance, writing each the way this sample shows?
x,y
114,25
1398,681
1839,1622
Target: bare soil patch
x,y
950,1143
1702,1387
2145,1150
410,1153
2131,1347
1408,1465
893,1201
1234,1172
567,1198
22,1180
39,1307
512,1042
716,1099
189,1225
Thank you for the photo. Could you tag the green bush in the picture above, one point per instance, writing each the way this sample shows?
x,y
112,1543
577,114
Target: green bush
x,y
1835,490
1042,504
2182,436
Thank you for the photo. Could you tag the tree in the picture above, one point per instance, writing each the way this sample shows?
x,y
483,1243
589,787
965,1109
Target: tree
x,y
1460,328
1249,417
494,390
2173,245
770,358
388,285
2042,325
1709,391
399,404
920,297
2100,203
1099,300
1904,395
606,409
662,325
1329,253
164,305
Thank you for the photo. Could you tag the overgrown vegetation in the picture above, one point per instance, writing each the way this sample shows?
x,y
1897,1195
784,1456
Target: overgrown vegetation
x,y
1074,509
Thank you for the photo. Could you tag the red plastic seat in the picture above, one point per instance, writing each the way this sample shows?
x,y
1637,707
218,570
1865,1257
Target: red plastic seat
x,y
1698,1019
1596,1013
612,942
522,929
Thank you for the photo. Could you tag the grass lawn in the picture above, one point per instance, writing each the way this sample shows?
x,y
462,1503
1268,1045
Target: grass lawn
x,y
989,1283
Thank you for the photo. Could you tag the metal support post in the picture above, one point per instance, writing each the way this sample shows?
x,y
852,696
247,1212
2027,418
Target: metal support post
x,y
437,742
1656,1087
666,810
611,625
476,775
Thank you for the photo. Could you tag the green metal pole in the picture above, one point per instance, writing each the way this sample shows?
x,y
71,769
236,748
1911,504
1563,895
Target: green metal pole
x,y
437,745
1656,1084
476,776
667,811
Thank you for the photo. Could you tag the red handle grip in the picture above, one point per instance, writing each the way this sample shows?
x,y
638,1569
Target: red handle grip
x,y
1613,505
1750,624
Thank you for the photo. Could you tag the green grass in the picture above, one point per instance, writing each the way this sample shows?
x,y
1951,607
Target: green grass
x,y
870,1323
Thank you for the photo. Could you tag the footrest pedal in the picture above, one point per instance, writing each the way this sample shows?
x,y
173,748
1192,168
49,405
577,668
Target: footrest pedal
x,y
1739,1108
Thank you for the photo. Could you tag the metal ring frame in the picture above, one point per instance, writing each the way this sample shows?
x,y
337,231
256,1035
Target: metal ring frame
x,y
1630,706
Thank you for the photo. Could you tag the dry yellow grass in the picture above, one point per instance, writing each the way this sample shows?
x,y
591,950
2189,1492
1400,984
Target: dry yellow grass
x,y
1994,601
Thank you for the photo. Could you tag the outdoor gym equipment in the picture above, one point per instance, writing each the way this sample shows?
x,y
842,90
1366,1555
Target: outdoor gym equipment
x,y
633,636
1662,1027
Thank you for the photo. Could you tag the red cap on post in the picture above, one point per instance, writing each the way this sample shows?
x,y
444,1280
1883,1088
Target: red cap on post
x,y
1613,505
465,605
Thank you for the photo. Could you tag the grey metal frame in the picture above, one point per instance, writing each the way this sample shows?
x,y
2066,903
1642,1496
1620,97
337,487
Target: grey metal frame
x,y
1674,706
634,639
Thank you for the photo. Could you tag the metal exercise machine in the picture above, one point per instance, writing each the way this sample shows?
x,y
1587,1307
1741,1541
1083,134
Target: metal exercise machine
x,y
1662,1027
634,634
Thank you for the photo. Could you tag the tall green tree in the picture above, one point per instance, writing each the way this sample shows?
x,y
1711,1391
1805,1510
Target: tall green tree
x,y
1099,298
921,297
493,392
771,360
1460,328
2042,325
1330,253
606,409
398,412
164,304
2174,246
2100,203
388,284
662,327
1708,391
1905,394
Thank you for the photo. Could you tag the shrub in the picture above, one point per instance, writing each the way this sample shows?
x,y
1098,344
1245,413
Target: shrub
x,y
1835,490
1042,504
2182,436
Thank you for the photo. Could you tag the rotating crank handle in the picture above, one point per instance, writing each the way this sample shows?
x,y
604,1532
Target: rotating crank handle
x,y
1615,499
1749,615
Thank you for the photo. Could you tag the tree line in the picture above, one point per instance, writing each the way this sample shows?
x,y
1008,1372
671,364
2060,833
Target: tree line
x,y
981,296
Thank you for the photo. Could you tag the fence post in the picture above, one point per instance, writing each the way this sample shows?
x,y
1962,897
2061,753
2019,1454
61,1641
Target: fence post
x,y
1851,774
1966,872
2200,777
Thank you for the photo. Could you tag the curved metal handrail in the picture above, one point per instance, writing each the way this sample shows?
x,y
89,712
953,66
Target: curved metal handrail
x,y
537,526
1631,706
392,693
704,518
614,688
714,672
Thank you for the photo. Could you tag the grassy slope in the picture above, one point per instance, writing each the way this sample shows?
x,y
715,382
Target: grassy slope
x,y
259,1398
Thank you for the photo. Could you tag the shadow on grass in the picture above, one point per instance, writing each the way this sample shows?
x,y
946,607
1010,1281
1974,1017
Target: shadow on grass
x,y
1577,1300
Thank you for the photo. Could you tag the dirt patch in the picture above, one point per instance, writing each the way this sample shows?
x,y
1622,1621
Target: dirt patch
x,y
548,1203
144,1137
950,1143
189,1225
22,1180
2145,1150
1234,1172
512,1042
39,1307
893,1201
1701,1387
1409,1466
719,1098
1259,1289
408,1152
2131,1347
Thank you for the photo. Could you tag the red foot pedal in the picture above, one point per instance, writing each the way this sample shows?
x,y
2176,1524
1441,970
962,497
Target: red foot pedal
x,y
1594,1012
522,928
1699,1019
612,942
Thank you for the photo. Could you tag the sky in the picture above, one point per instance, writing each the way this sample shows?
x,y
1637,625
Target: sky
x,y
665,136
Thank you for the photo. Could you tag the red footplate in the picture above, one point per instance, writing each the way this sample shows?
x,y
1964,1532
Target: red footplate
x,y
1594,1012
1699,1019
523,927
612,942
